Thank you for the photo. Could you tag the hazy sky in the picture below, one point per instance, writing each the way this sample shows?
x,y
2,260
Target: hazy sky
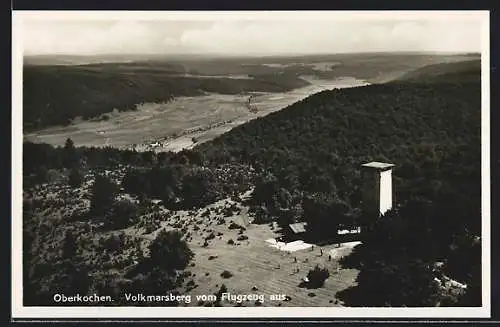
x,y
248,35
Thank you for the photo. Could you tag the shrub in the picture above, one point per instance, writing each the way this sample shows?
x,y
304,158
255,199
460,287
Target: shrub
x,y
169,251
317,276
103,194
69,245
262,215
75,178
242,238
218,294
234,225
226,274
122,214
111,243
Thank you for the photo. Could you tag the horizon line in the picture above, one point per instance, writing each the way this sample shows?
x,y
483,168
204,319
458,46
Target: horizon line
x,y
217,54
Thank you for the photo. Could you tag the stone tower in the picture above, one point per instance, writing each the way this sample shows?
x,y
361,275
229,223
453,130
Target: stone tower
x,y
377,191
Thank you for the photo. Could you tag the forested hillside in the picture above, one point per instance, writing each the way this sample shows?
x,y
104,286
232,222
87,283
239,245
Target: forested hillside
x,y
459,72
431,132
311,154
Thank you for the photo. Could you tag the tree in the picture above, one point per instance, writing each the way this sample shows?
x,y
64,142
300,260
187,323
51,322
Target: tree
x,y
159,178
63,277
317,277
265,189
103,194
122,214
473,294
218,294
41,174
135,182
322,220
199,188
393,271
169,197
404,283
151,281
75,178
169,251
262,215
69,245
283,198
70,156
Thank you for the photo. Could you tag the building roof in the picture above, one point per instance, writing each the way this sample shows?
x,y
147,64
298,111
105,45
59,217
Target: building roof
x,y
378,165
356,230
298,227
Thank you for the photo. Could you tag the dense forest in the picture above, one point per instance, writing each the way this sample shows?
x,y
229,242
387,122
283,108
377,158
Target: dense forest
x,y
303,164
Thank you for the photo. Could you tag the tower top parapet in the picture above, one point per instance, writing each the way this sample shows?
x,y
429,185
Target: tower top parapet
x,y
381,166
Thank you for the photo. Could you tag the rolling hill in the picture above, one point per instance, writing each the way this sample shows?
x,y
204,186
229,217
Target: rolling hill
x,y
450,72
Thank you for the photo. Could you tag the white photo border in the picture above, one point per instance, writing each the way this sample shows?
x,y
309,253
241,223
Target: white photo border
x,y
19,311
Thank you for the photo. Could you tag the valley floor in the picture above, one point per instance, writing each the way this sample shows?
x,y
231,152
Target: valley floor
x,y
174,124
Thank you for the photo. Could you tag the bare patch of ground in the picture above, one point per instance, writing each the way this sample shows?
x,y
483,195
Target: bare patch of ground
x,y
255,266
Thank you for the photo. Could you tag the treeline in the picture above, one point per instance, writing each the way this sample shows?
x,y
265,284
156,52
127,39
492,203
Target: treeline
x,y
181,180
186,186
55,95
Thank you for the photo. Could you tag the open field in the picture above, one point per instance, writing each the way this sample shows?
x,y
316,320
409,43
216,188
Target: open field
x,y
254,263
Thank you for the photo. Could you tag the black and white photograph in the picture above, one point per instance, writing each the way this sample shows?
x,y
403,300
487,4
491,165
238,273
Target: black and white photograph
x,y
250,164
